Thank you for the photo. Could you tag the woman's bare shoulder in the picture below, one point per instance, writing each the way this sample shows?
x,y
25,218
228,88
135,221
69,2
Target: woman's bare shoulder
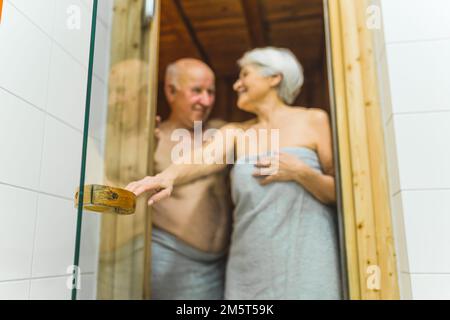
x,y
319,116
315,115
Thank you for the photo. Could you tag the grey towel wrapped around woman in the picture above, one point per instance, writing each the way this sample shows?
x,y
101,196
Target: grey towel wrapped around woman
x,y
284,243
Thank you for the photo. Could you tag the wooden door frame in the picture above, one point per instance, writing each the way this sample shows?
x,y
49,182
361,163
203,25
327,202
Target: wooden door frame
x,y
153,50
367,245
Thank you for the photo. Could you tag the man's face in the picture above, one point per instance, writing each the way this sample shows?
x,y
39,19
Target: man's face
x,y
194,97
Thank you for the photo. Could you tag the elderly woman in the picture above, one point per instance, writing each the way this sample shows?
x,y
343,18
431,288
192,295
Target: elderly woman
x,y
284,239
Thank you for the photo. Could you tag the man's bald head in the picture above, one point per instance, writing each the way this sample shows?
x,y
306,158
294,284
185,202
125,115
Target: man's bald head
x,y
190,91
178,71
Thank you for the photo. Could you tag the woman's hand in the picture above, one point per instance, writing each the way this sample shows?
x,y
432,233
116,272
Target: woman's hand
x,y
159,186
284,167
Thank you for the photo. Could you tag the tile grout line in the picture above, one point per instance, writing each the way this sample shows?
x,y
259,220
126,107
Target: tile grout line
x,y
35,191
396,193
419,190
417,41
413,113
46,113
46,277
426,273
36,216
405,113
426,189
50,37
42,110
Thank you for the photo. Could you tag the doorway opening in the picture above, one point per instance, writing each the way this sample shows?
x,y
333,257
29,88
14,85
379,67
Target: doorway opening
x,y
220,32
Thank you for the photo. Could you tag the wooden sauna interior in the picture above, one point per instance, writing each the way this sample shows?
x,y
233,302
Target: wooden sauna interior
x,y
220,31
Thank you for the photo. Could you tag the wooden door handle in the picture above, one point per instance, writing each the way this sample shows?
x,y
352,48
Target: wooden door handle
x,y
106,199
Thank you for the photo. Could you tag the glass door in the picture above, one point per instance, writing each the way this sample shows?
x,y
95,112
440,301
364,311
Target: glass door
x,y
112,254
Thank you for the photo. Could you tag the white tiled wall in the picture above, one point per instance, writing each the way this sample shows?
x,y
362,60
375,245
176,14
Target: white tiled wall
x,y
414,68
43,79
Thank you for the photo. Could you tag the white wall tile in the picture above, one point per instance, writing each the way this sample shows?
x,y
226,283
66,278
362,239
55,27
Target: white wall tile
x,y
15,290
430,286
40,12
99,109
24,57
420,76
423,150
88,290
417,35
427,223
61,162
17,216
28,60
67,88
105,11
90,242
55,236
75,41
101,52
409,20
94,162
88,3
50,289
21,132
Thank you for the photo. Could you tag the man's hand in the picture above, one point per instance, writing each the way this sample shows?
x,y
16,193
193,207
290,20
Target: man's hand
x,y
159,188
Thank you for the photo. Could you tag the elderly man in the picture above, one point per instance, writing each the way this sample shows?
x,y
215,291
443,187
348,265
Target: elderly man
x,y
190,229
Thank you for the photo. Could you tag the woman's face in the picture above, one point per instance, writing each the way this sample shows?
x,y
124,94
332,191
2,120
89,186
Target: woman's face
x,y
251,87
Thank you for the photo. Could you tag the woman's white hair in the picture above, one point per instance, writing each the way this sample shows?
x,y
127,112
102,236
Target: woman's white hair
x,y
273,61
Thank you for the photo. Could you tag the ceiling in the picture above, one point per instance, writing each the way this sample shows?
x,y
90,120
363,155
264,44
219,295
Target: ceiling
x,y
220,31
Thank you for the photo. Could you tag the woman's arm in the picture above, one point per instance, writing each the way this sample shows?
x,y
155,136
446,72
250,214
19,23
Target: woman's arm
x,y
321,185
185,171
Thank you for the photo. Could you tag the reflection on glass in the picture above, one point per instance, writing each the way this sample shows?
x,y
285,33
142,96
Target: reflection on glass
x,y
112,251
